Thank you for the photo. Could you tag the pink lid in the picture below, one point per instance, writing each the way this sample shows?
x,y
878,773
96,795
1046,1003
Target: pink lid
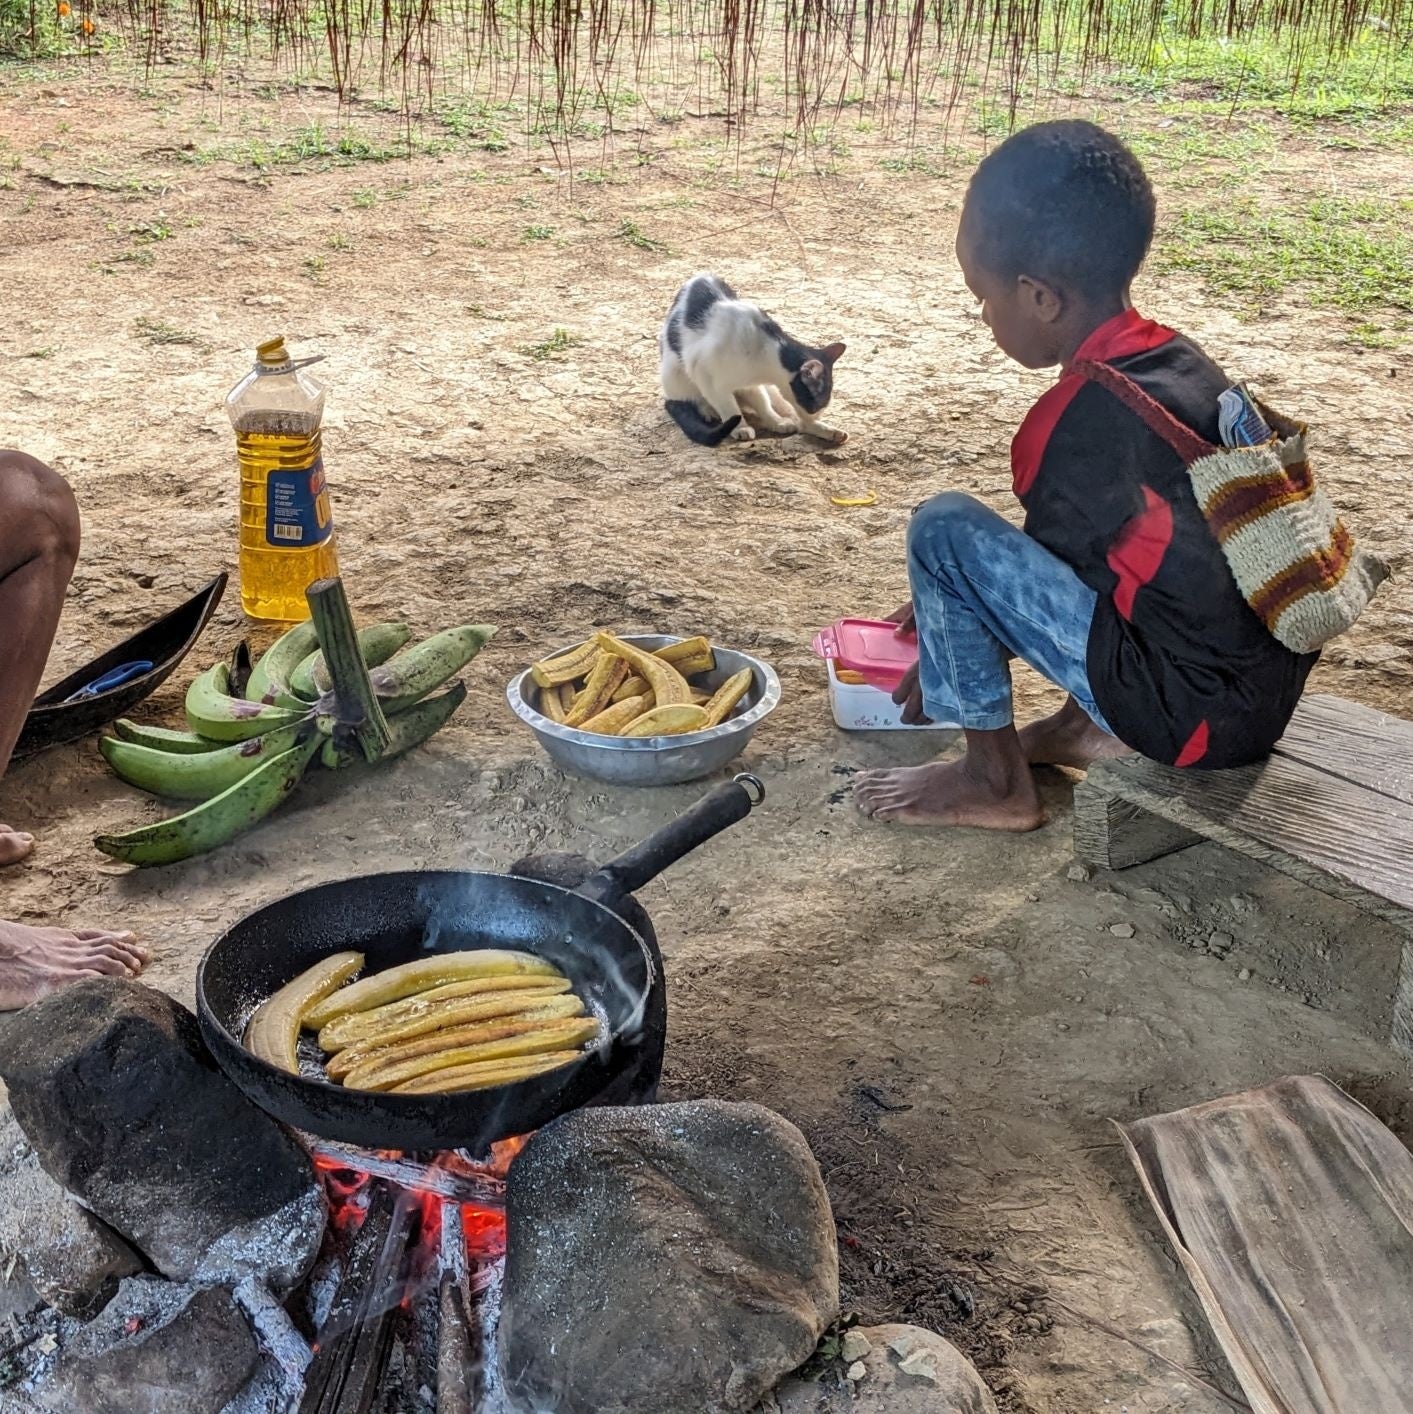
x,y
868,646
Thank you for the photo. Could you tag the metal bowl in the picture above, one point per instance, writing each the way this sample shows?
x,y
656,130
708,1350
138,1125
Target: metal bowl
x,y
655,760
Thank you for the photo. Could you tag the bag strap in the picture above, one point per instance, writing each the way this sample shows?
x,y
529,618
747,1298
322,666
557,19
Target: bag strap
x,y
1181,438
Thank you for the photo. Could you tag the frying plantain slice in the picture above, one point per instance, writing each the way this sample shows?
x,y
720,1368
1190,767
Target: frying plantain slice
x,y
366,1052
568,1034
435,970
273,1031
436,1016
486,1075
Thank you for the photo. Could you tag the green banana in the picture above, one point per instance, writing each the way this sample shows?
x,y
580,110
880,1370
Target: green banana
x,y
408,729
377,643
214,821
163,738
270,678
200,776
415,671
212,712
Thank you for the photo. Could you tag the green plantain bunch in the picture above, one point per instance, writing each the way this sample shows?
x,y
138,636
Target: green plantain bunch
x,y
245,753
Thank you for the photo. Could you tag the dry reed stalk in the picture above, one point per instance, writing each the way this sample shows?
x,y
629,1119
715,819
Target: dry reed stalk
x,y
567,59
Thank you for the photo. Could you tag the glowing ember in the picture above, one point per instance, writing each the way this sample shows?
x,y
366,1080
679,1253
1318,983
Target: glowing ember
x,y
476,1186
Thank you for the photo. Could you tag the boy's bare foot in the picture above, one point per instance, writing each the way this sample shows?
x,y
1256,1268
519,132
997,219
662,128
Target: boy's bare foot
x,y
15,845
951,793
37,961
1070,737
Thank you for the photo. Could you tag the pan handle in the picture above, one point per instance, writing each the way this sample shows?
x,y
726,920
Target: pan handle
x,y
712,814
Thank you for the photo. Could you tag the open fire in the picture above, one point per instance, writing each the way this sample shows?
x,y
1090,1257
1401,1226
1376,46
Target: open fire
x,y
407,1290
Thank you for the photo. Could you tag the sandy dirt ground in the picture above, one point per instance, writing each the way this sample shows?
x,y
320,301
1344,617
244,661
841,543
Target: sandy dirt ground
x,y
950,1017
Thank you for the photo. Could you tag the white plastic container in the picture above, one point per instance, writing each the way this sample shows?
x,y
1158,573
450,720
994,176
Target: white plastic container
x,y
858,707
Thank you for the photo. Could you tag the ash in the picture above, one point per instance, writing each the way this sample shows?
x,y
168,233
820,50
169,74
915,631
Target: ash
x,y
276,1248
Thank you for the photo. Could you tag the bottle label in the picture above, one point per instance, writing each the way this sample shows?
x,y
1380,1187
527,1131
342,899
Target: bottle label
x,y
297,511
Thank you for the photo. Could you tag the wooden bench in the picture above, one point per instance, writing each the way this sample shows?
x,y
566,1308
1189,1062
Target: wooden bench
x,y
1332,807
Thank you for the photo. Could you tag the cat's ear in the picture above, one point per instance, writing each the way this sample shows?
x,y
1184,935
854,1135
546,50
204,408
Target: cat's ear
x,y
834,352
812,371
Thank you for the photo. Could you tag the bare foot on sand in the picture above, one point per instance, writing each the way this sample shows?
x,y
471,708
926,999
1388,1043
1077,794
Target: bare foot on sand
x,y
37,961
15,845
1069,738
951,793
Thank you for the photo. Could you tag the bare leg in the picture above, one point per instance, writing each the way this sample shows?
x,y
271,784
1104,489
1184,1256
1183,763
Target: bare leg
x,y
1070,737
39,542
990,788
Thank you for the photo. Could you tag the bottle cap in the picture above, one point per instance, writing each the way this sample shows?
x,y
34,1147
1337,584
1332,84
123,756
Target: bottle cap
x,y
272,353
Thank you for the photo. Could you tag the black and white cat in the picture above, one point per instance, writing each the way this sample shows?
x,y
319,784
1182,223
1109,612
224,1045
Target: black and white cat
x,y
724,359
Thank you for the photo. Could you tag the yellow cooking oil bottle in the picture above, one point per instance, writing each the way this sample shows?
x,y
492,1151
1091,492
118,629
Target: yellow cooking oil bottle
x,y
286,523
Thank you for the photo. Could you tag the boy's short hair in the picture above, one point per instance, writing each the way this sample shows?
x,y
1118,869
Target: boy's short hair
x,y
1063,202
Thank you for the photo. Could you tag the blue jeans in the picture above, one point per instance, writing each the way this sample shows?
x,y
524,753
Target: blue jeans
x,y
983,593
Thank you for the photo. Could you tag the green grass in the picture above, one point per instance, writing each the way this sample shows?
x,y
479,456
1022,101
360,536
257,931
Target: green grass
x,y
634,235
147,232
1355,256
557,343
155,331
538,233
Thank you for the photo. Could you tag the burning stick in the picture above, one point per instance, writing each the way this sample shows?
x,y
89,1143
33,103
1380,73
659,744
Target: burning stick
x,y
456,1392
274,1327
435,1178
353,1345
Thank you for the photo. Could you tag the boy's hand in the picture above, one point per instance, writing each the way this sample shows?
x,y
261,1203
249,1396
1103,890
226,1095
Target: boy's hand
x,y
908,696
904,619
908,693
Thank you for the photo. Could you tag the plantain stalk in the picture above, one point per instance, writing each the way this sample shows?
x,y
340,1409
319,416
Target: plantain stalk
x,y
358,707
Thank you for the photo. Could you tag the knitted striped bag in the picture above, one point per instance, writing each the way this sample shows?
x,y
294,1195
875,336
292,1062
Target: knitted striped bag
x,y
1292,557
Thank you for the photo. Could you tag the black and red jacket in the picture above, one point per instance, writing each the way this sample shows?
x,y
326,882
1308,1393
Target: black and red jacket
x,y
1179,664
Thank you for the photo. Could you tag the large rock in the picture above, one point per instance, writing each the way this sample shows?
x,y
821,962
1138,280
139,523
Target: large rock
x,y
669,1259
72,1260
159,1348
112,1085
891,1370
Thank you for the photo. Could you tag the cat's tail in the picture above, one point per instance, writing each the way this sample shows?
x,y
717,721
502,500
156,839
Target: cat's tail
x,y
706,432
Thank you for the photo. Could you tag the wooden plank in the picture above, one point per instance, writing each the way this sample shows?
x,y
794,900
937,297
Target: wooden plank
x,y
1111,833
1306,822
1346,739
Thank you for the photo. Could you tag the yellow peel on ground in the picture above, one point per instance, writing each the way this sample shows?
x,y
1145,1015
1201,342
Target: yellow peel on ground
x,y
724,701
437,1016
434,970
869,498
668,721
487,1075
569,1034
669,686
